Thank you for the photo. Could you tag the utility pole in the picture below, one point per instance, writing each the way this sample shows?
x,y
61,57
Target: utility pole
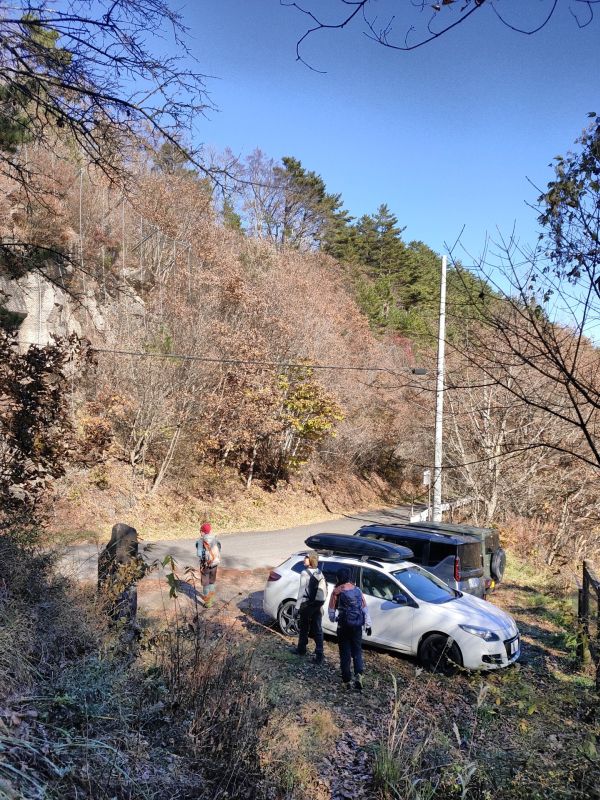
x,y
439,402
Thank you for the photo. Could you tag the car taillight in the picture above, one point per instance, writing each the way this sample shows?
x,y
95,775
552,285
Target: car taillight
x,y
457,569
273,576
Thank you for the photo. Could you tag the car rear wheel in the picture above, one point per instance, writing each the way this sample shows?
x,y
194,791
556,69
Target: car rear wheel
x,y
498,564
286,620
438,653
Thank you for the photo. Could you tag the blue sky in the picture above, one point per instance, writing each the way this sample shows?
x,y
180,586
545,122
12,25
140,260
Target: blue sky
x,y
447,135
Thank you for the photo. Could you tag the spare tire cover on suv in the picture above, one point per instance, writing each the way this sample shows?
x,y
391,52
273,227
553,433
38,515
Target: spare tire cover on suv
x,y
498,564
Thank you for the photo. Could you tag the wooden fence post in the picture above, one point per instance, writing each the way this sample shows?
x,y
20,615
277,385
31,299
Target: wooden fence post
x,y
597,642
580,634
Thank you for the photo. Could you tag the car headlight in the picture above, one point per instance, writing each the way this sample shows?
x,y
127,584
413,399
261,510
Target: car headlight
x,y
483,633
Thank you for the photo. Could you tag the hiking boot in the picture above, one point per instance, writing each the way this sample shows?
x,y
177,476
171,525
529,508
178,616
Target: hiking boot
x,y
317,659
358,683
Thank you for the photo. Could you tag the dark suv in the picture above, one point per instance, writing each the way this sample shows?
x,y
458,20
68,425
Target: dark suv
x,y
453,558
494,555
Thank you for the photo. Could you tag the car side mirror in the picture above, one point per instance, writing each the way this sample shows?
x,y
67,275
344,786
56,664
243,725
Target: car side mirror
x,y
401,599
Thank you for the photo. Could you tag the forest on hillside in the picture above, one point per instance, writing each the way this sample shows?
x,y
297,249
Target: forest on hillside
x,y
236,319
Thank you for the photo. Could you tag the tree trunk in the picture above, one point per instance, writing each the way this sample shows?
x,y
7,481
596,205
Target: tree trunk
x,y
166,463
251,469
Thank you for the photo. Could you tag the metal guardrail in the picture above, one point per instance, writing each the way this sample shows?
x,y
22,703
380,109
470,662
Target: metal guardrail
x,y
588,616
423,516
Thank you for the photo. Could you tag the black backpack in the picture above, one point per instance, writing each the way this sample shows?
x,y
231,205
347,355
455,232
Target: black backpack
x,y
316,589
350,609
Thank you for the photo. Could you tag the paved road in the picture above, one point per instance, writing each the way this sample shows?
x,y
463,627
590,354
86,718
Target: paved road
x,y
247,550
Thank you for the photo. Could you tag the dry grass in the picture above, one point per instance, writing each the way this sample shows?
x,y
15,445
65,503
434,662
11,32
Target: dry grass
x,y
85,712
415,759
292,747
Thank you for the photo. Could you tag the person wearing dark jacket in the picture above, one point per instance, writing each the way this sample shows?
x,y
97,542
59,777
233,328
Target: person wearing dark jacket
x,y
348,607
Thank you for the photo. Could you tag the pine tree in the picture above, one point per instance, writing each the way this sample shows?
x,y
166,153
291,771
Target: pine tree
x,y
172,159
339,238
231,219
307,208
38,45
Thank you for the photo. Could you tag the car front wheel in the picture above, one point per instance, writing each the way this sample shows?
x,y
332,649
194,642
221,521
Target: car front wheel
x,y
440,654
285,618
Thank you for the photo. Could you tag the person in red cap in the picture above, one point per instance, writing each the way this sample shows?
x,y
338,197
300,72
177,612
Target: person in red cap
x,y
208,548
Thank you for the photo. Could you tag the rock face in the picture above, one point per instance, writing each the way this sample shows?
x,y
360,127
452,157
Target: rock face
x,y
13,308
115,581
38,309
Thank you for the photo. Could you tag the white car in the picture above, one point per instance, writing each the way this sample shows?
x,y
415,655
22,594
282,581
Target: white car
x,y
413,612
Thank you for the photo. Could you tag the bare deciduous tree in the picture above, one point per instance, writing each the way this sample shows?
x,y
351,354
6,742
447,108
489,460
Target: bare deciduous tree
x,y
92,72
496,446
282,202
544,322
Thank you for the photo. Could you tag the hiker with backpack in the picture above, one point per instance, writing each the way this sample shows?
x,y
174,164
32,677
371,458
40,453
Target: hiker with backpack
x,y
208,549
348,607
309,607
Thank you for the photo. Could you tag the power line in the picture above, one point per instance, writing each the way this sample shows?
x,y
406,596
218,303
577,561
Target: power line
x,y
255,362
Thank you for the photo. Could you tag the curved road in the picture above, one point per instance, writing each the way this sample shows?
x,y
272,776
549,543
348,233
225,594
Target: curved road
x,y
247,550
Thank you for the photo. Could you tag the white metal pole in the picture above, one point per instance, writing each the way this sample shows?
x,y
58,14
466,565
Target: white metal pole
x,y
439,402
429,503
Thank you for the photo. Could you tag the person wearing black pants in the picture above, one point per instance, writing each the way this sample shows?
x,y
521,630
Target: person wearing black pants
x,y
310,624
309,607
348,606
350,646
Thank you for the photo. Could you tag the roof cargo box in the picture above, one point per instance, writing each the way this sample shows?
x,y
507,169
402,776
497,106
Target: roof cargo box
x,y
359,548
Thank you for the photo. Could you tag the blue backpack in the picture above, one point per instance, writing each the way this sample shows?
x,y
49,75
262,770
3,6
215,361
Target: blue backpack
x,y
350,610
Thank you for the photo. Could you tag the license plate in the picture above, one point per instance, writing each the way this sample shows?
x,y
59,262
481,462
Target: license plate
x,y
473,582
514,646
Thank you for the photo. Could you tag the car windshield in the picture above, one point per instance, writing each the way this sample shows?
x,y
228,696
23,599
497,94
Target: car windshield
x,y
424,586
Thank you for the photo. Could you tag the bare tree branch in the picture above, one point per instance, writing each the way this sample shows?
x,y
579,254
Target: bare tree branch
x,y
418,23
96,75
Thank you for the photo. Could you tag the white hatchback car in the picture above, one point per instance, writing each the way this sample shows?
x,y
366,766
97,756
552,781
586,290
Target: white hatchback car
x,y
413,612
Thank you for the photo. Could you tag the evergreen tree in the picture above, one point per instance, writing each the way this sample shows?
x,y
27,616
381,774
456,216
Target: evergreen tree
x,y
21,101
306,208
339,237
231,219
388,248
172,159
397,285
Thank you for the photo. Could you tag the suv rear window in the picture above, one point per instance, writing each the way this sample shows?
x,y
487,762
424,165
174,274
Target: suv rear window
x,y
470,555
